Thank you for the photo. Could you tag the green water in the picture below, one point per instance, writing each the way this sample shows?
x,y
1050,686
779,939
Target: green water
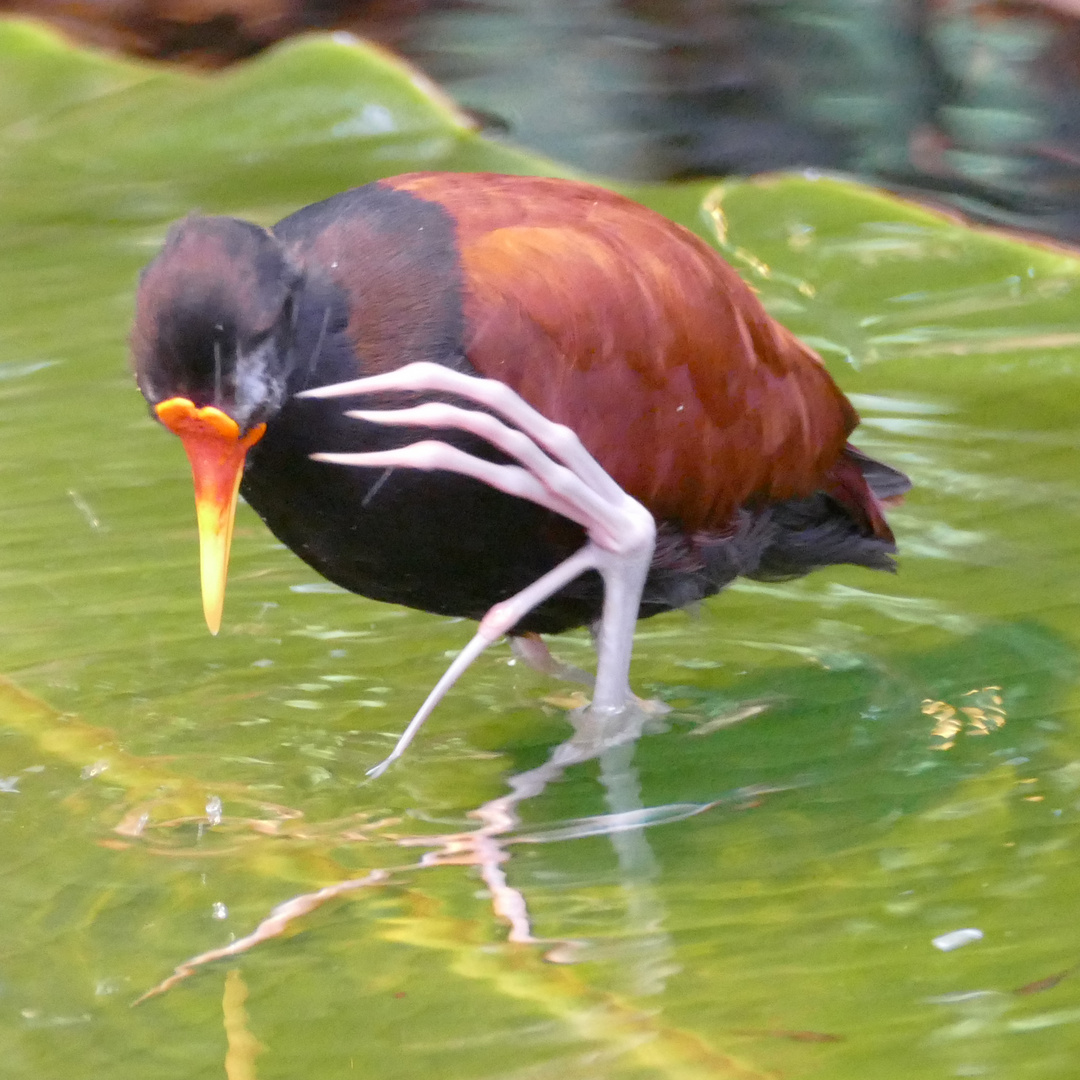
x,y
776,916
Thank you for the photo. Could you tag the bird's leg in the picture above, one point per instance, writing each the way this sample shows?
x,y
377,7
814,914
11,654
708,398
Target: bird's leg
x,y
554,471
498,621
532,650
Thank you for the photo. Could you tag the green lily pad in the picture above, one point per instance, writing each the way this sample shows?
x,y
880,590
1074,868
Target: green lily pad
x,y
856,764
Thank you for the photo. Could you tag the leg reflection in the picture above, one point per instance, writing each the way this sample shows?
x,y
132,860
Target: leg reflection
x,y
610,739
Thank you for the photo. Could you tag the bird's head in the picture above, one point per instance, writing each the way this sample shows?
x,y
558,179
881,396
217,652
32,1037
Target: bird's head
x,y
212,345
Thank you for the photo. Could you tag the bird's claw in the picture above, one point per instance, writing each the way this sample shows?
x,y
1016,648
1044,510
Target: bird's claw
x,y
555,471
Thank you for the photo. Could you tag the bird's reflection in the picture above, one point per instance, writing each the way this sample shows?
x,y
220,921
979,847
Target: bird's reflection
x,y
608,738
651,959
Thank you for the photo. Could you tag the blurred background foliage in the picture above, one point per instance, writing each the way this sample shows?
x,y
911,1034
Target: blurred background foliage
x,y
974,103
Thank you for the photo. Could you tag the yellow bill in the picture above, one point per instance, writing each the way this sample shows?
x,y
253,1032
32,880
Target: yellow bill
x,y
216,451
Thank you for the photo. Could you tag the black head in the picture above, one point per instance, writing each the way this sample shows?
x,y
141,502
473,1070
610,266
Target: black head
x,y
214,319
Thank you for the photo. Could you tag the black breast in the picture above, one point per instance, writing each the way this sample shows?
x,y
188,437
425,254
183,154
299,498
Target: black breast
x,y
384,290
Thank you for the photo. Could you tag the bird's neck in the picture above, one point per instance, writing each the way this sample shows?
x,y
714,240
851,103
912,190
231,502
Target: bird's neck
x,y
321,352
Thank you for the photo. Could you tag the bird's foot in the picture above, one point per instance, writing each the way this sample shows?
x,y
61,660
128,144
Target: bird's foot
x,y
555,471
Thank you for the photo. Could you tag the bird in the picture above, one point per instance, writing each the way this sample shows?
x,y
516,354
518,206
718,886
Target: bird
x,y
574,411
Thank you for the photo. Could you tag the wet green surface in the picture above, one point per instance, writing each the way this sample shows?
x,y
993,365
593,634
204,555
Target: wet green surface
x,y
786,930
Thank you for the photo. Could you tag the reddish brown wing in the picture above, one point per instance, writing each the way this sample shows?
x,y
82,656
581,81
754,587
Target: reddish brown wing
x,y
629,329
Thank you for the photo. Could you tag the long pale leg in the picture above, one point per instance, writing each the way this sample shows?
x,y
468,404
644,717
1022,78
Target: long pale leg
x,y
556,472
494,624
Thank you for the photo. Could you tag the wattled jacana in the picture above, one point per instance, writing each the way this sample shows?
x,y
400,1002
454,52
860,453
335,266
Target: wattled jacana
x,y
622,429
